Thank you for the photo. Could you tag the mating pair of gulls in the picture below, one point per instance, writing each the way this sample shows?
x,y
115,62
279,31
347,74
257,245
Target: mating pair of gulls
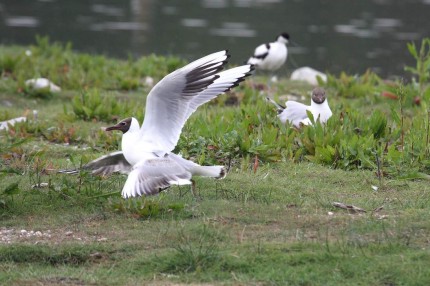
x,y
146,154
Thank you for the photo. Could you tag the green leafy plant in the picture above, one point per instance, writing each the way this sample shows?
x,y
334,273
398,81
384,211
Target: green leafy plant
x,y
91,105
8,193
8,63
422,67
355,86
196,250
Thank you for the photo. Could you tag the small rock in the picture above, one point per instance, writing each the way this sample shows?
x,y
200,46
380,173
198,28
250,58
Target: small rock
x,y
308,75
274,78
23,232
41,185
382,216
330,213
42,83
4,125
97,255
68,233
148,81
38,233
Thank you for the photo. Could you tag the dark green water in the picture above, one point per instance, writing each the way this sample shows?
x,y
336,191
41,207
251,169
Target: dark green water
x,y
332,35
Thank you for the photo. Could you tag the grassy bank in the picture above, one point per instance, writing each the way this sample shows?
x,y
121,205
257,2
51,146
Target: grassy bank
x,y
271,221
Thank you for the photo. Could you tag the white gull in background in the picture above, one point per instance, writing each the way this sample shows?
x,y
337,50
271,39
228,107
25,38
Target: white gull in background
x,y
309,75
271,56
146,150
296,112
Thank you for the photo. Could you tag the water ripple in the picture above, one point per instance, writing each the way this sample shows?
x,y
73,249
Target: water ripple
x,y
107,10
125,26
22,21
194,23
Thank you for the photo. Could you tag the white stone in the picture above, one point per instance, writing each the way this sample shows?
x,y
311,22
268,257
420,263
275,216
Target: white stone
x,y
4,125
308,74
42,83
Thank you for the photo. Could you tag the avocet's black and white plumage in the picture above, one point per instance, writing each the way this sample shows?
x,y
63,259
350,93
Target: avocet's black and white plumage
x,y
271,56
295,112
146,150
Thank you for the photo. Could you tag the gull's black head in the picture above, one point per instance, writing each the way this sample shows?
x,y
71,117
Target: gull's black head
x,y
318,95
286,36
123,126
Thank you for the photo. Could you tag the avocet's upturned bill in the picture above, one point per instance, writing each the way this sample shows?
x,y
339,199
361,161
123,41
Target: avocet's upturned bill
x,y
271,56
146,150
295,112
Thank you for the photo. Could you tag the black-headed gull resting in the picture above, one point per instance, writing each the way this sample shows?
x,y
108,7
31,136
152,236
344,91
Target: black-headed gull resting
x,y
295,112
271,56
146,150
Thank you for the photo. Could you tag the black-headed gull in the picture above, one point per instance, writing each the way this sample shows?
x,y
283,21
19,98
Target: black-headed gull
x,y
146,150
271,56
295,112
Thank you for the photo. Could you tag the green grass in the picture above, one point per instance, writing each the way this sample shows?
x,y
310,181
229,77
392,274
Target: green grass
x,y
269,222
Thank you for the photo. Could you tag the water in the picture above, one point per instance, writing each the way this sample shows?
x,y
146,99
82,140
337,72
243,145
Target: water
x,y
331,35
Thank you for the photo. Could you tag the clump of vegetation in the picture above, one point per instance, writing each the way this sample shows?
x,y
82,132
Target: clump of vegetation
x,y
72,255
422,67
8,64
91,105
196,250
150,209
351,86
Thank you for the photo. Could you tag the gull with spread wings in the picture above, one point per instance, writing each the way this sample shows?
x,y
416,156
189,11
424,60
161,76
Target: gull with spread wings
x,y
146,154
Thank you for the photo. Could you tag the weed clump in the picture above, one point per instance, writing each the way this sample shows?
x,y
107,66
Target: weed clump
x,y
91,105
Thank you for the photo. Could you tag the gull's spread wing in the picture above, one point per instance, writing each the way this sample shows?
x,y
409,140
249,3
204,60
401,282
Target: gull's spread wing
x,y
153,176
294,112
105,165
179,94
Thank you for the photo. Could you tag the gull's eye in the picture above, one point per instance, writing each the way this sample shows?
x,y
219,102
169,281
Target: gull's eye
x,y
123,123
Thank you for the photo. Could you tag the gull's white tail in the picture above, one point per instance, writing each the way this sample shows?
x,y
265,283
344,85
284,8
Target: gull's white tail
x,y
218,172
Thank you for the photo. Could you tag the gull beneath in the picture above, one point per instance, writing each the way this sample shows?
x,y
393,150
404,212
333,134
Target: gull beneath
x,y
146,154
296,112
271,56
